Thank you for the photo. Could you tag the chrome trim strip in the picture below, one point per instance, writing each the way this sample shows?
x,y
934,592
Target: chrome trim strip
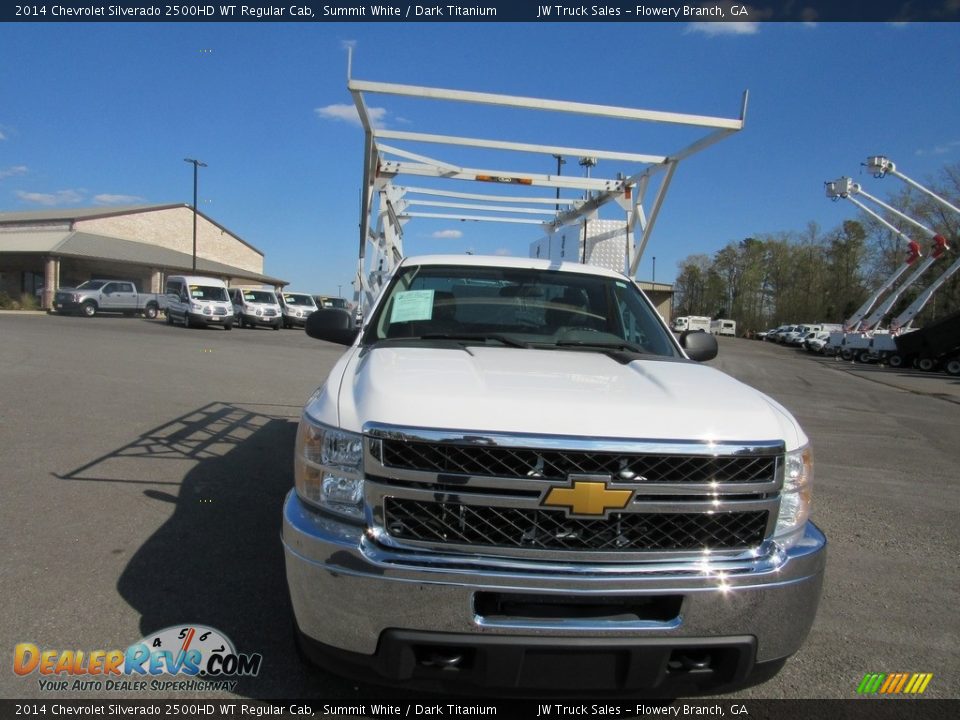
x,y
378,472
768,557
575,443
586,625
375,494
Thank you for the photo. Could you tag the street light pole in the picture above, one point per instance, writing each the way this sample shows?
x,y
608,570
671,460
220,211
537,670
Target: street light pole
x,y
560,163
586,163
196,164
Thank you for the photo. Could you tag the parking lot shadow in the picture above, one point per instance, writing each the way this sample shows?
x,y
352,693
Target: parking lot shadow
x,y
218,559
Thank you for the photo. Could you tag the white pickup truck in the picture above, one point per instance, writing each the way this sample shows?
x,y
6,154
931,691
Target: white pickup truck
x,y
517,479
115,296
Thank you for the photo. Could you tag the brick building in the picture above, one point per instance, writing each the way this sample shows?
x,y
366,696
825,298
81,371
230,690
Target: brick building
x,y
47,249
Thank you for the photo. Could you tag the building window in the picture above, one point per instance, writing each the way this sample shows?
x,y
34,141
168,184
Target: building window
x,y
31,283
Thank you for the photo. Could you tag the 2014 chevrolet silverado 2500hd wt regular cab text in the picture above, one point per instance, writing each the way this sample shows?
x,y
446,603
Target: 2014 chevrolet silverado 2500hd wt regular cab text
x,y
516,478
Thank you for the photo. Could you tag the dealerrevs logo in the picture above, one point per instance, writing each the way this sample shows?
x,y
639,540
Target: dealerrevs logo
x,y
194,651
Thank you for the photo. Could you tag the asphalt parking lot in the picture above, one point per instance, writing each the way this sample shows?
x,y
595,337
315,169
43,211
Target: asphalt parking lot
x,y
144,467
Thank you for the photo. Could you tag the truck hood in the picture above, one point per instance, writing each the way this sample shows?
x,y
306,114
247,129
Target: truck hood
x,y
552,392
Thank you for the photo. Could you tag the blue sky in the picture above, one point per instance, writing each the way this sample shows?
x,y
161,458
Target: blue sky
x,y
105,113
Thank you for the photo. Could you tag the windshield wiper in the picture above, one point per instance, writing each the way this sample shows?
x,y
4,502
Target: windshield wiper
x,y
603,345
480,337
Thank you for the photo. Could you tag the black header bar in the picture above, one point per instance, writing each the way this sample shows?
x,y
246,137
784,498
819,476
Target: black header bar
x,y
231,708
621,11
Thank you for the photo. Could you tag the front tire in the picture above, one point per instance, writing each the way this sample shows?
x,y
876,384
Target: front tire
x,y
926,364
169,318
895,360
186,319
89,309
952,366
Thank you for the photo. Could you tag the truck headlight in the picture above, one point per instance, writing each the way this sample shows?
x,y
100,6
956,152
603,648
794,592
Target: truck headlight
x,y
796,496
195,307
328,468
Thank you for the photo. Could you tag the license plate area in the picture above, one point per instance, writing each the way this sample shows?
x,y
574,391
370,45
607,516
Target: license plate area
x,y
497,608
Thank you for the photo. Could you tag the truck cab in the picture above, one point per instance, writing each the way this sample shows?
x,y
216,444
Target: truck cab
x,y
517,479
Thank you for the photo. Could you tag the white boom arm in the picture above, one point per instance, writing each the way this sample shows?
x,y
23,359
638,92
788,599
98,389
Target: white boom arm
x,y
845,188
882,166
904,319
877,316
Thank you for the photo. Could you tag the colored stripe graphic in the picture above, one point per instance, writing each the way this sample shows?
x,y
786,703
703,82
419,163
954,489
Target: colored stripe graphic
x,y
894,683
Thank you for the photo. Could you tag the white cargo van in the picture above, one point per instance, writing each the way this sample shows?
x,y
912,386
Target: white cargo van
x,y
255,306
296,307
197,300
723,327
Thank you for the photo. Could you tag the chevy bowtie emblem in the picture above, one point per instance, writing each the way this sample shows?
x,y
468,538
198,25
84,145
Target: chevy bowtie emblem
x,y
587,496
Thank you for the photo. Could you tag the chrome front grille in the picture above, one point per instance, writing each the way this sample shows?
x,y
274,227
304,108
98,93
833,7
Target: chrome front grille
x,y
558,464
463,492
451,522
219,311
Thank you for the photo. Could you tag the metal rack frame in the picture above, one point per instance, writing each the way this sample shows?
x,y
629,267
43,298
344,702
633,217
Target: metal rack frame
x,y
387,206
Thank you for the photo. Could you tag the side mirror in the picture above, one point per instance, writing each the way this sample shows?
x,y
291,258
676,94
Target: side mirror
x,y
700,346
333,325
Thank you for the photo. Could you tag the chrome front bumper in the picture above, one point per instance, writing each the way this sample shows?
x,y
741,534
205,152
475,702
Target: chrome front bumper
x,y
346,591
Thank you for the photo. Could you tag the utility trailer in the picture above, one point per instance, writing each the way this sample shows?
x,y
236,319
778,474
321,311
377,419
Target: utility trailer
x,y
934,345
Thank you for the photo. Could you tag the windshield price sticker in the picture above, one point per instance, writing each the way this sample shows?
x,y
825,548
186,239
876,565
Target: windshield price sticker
x,y
412,305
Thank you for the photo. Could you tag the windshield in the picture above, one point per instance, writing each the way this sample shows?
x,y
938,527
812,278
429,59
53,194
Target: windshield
x,y
518,306
91,285
297,299
259,296
207,292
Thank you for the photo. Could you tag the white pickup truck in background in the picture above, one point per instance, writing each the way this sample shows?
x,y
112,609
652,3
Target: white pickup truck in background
x,y
114,296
